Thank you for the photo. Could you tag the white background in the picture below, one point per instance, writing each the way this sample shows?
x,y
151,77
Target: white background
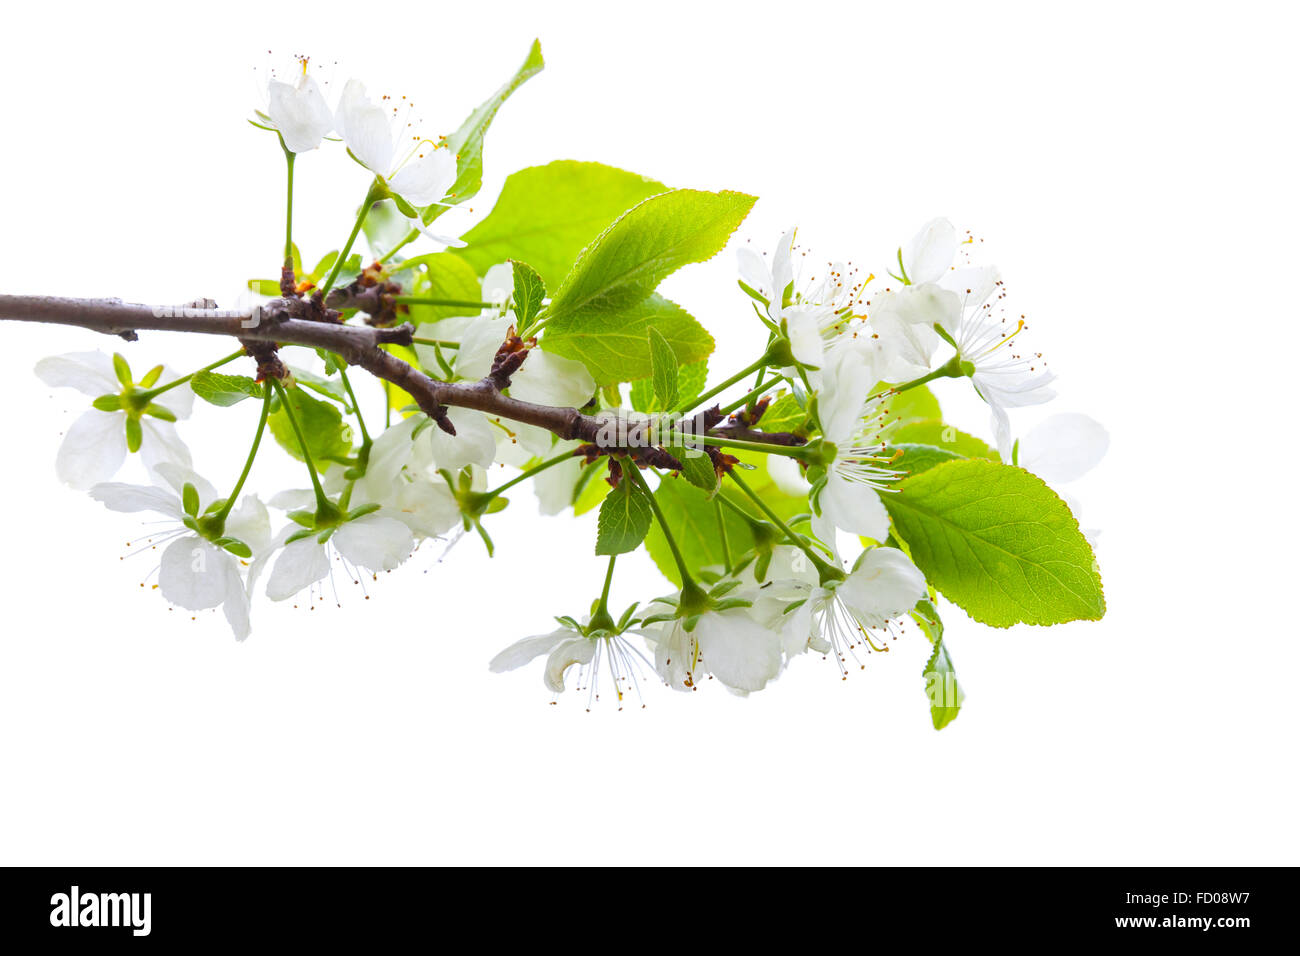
x,y
1132,170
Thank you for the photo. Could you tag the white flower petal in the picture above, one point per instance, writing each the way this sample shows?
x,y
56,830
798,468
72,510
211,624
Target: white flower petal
x,y
374,542
117,496
554,486
521,652
161,445
195,574
300,113
251,524
1064,447
548,379
426,180
854,506
90,373
366,129
475,441
92,450
576,650
301,564
930,252
737,650
479,345
884,585
426,506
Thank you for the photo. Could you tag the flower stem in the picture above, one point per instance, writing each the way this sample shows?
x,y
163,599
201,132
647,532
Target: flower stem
x,y
322,502
535,470
722,535
375,193
436,343
949,369
632,472
224,513
789,451
823,567
289,157
600,617
150,395
425,300
720,387
750,396
405,241
356,407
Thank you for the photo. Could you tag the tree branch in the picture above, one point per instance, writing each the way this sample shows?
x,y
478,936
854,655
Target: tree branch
x,y
358,345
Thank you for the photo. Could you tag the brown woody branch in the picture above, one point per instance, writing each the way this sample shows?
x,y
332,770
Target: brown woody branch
x,y
275,323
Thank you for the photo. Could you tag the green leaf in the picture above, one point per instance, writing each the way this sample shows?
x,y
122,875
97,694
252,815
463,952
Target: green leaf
x,y
918,458
445,275
615,347
269,287
224,390
592,488
697,468
914,405
467,142
693,520
691,379
663,369
999,543
940,677
529,292
783,415
547,215
936,433
646,244
328,437
321,386
624,519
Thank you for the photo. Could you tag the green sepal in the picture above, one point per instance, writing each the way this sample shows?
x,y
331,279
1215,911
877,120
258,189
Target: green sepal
x,y
134,434
158,411
235,547
108,403
122,369
190,499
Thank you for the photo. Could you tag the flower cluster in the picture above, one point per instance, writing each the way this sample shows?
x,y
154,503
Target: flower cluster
x,y
815,501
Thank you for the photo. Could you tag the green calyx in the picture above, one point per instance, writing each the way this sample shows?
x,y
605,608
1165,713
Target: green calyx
x,y
135,400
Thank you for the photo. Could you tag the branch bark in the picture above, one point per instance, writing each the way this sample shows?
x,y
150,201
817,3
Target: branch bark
x,y
359,345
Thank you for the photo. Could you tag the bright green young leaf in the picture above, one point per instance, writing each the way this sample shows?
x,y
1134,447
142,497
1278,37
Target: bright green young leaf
x,y
330,388
529,292
936,433
269,287
442,275
625,517
999,543
328,437
645,245
940,677
914,405
592,488
224,390
615,348
697,468
548,214
691,379
693,520
467,142
783,415
918,458
663,369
